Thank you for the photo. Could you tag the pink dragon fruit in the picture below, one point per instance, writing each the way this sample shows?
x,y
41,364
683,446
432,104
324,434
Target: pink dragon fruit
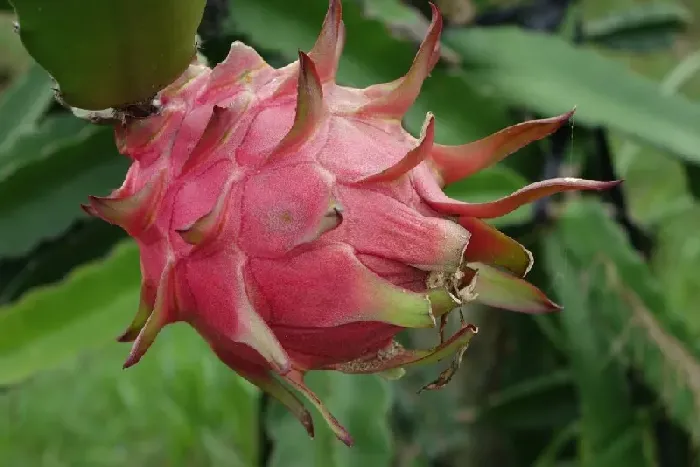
x,y
296,226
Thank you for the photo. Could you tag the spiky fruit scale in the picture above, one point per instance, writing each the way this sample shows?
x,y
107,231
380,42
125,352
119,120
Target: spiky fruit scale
x,y
296,226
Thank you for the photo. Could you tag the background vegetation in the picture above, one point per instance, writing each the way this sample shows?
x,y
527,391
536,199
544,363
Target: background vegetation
x,y
612,381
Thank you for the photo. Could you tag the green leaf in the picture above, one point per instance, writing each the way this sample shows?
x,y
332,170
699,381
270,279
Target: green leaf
x,y
655,185
13,58
431,422
361,404
539,402
676,262
41,140
547,74
639,27
548,456
25,101
630,309
606,406
41,198
490,184
395,13
179,407
371,55
108,54
52,324
86,241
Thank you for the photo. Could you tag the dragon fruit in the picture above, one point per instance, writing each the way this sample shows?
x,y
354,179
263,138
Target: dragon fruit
x,y
296,226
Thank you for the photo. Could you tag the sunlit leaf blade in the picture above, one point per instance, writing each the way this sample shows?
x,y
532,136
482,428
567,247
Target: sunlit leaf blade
x,y
179,406
547,74
105,53
360,402
54,323
630,308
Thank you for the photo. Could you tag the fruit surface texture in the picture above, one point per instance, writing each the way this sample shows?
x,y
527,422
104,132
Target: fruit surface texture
x,y
296,226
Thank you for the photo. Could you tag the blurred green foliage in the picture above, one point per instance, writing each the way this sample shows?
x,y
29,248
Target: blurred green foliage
x,y
612,381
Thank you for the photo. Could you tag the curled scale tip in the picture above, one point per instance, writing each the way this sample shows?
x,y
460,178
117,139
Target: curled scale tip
x,y
510,203
310,107
499,289
295,378
218,125
133,212
207,228
395,98
163,313
88,210
330,221
453,163
490,246
144,311
414,157
328,47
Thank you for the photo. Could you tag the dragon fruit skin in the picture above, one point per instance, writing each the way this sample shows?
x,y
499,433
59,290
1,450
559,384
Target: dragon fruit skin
x,y
296,226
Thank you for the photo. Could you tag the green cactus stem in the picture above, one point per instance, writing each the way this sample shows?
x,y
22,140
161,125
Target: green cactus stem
x,y
110,53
